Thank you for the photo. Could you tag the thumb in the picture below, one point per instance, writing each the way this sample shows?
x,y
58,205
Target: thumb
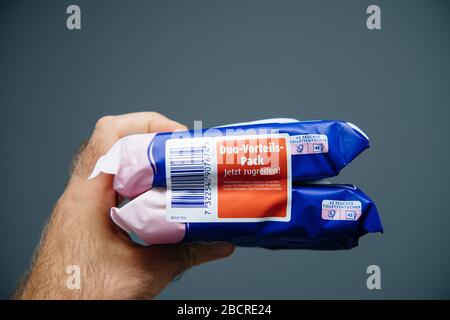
x,y
195,254
176,258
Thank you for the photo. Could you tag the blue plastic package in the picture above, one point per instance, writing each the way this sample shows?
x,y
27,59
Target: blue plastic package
x,y
249,184
317,149
321,217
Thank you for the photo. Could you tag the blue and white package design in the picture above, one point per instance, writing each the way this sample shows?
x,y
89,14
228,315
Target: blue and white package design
x,y
316,149
321,217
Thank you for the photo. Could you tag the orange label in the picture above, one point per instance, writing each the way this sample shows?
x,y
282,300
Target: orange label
x,y
253,179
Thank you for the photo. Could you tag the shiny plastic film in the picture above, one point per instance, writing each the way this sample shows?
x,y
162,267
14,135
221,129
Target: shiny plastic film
x,y
246,183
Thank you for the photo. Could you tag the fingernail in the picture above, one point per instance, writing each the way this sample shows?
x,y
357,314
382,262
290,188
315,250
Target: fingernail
x,y
223,248
179,126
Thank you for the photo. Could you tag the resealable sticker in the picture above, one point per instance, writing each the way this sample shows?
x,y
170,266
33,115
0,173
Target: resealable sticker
x,y
229,179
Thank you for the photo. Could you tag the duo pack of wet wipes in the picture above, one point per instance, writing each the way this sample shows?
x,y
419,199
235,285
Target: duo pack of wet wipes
x,y
247,183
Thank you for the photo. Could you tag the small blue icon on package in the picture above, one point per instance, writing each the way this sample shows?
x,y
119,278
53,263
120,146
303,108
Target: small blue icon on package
x,y
331,213
350,215
318,147
299,148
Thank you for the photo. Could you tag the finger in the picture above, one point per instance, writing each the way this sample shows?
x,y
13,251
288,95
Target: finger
x,y
109,129
196,254
165,261
190,255
137,122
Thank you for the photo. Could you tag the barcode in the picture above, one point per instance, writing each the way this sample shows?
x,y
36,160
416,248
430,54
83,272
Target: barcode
x,y
187,177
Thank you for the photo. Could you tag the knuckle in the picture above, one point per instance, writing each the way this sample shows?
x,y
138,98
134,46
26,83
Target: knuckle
x,y
105,122
191,256
154,114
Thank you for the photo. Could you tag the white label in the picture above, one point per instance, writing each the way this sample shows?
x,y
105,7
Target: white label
x,y
309,144
229,179
341,210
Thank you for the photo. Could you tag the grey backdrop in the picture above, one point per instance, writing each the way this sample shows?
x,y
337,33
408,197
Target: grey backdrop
x,y
226,61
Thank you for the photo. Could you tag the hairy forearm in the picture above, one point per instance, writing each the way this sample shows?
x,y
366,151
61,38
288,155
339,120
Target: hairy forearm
x,y
77,240
68,240
47,276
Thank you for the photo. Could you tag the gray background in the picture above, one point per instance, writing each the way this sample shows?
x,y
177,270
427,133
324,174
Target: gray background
x,y
227,61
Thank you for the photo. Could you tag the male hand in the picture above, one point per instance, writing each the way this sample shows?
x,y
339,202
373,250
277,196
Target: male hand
x,y
80,232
